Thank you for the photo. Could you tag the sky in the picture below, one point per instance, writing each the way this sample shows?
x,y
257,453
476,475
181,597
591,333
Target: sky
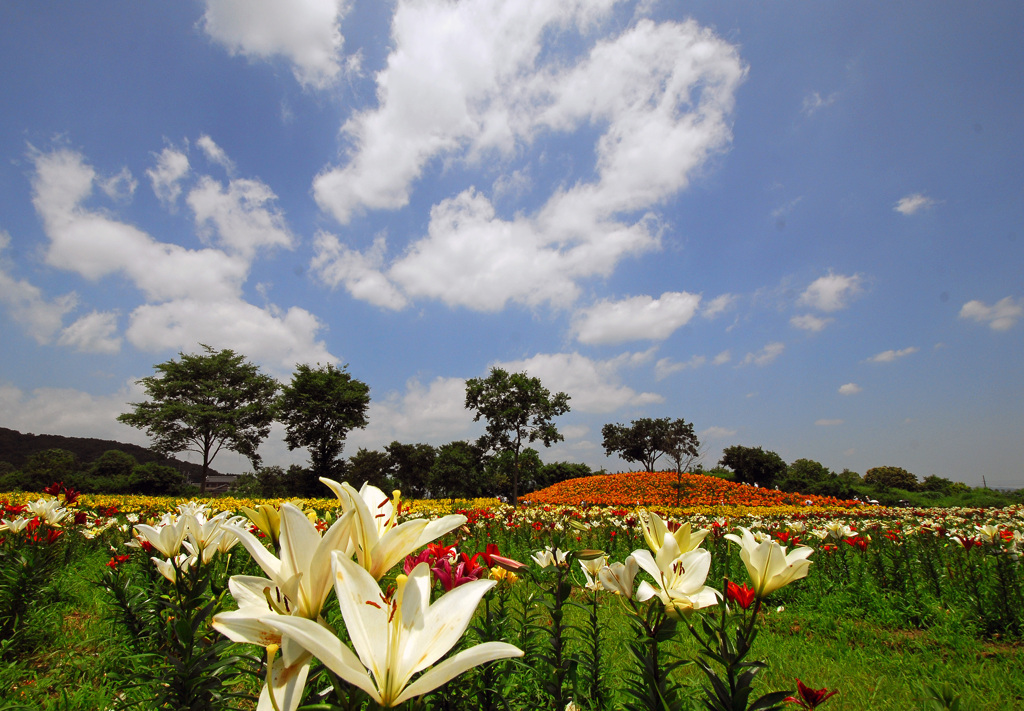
x,y
796,225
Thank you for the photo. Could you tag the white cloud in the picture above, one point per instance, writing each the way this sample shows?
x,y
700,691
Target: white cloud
x,y
305,32
715,432
435,414
635,318
171,167
666,366
718,305
26,304
242,215
120,187
360,272
765,356
192,295
70,412
662,93
815,101
914,203
891,355
95,332
1001,316
722,358
593,385
810,322
215,154
850,389
832,292
828,423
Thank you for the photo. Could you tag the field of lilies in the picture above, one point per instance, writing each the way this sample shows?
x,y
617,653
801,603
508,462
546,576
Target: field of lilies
x,y
600,593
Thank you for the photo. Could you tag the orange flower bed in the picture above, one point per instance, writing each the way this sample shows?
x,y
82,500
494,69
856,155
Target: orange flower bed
x,y
659,489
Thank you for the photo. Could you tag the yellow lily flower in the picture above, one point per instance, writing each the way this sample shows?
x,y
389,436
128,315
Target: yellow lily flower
x,y
395,637
655,532
768,564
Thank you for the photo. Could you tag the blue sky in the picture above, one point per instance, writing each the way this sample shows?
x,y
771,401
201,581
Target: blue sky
x,y
796,225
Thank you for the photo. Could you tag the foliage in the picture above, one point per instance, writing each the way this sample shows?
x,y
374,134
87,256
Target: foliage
x,y
646,440
811,477
753,465
458,472
205,402
318,409
890,478
518,410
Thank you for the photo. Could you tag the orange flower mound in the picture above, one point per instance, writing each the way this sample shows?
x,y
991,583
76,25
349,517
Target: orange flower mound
x,y
659,489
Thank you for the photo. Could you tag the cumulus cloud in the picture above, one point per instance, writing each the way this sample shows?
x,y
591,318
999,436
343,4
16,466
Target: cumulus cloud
x,y
722,358
70,412
718,305
662,93
832,292
635,318
359,272
891,355
765,356
190,295
171,167
307,33
666,366
27,305
215,154
810,322
593,385
850,389
912,204
434,413
95,332
1001,316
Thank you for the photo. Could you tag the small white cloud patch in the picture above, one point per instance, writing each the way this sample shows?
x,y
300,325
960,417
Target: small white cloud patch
x,y
912,204
1001,316
850,389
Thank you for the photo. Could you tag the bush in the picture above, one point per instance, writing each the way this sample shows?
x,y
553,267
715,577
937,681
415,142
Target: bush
x,y
883,478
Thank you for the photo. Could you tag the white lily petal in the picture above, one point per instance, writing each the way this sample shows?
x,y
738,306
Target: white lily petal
x,y
444,623
326,647
245,626
452,667
365,613
289,682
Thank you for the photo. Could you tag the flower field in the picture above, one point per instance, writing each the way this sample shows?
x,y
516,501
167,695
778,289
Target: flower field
x,y
579,600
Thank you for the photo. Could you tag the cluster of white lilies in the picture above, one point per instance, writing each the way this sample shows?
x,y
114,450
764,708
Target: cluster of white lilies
x,y
398,634
679,566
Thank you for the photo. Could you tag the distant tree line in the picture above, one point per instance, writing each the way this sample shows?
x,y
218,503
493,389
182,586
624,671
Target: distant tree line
x,y
113,472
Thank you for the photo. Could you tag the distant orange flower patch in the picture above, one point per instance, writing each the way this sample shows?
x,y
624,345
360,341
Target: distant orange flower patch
x,y
659,489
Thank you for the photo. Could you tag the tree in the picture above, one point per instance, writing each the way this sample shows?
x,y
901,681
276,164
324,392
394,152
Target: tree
x,y
753,465
371,467
646,439
519,410
203,403
457,471
318,408
890,478
409,465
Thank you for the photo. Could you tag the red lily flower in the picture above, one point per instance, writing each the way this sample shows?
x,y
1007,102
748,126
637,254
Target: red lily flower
x,y
411,561
740,594
809,698
440,550
452,578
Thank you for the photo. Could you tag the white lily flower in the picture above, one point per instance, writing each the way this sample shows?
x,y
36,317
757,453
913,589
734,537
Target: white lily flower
x,y
618,577
48,510
397,637
768,564
839,531
169,568
680,578
655,532
297,585
14,525
379,541
549,556
591,570
166,538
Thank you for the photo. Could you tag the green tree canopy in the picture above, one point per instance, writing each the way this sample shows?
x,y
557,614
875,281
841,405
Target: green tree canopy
x,y
753,465
206,402
890,478
519,410
646,440
318,409
458,472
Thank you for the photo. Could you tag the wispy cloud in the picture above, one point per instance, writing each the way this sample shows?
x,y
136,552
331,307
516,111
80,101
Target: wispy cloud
x,y
891,355
814,102
765,356
832,292
914,203
1001,316
850,389
810,322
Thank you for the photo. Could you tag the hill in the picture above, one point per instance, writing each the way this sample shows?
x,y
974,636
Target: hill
x,y
658,489
16,447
